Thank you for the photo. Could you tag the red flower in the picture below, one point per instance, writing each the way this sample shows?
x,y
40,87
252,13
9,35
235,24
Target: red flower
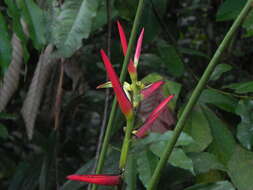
x,y
109,180
124,103
148,91
142,131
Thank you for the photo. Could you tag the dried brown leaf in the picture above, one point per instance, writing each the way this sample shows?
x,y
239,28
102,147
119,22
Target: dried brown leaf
x,y
33,98
165,120
12,75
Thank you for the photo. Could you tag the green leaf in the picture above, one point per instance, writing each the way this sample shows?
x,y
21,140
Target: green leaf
x,y
219,70
3,132
35,19
245,127
72,24
178,158
240,169
204,162
223,141
146,164
101,17
230,9
242,87
248,24
222,101
15,13
197,126
5,45
171,59
221,185
153,138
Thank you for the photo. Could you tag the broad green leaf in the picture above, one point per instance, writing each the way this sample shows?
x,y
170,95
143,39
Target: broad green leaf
x,y
222,101
240,169
171,59
242,87
220,185
72,24
223,144
248,24
35,19
101,17
3,132
245,127
204,162
178,158
146,164
197,126
15,13
130,174
219,70
5,44
153,138
230,9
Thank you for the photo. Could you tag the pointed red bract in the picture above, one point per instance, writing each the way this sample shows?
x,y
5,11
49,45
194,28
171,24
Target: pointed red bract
x,y
131,67
138,48
148,91
142,131
124,103
109,180
122,38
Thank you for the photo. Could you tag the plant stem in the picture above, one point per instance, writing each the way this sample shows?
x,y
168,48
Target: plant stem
x,y
126,143
195,95
101,159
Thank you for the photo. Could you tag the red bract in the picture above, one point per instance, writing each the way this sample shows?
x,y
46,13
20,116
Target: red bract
x,y
152,117
138,48
109,180
146,92
131,66
124,103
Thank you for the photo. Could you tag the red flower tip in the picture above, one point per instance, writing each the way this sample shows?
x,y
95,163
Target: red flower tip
x,y
109,180
131,68
146,92
138,48
122,38
142,131
124,103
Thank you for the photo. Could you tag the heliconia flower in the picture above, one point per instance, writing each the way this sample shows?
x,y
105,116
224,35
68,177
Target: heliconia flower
x,y
109,180
124,103
148,91
132,65
142,131
138,48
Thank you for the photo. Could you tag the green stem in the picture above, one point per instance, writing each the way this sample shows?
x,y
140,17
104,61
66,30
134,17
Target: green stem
x,y
195,95
106,140
126,143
